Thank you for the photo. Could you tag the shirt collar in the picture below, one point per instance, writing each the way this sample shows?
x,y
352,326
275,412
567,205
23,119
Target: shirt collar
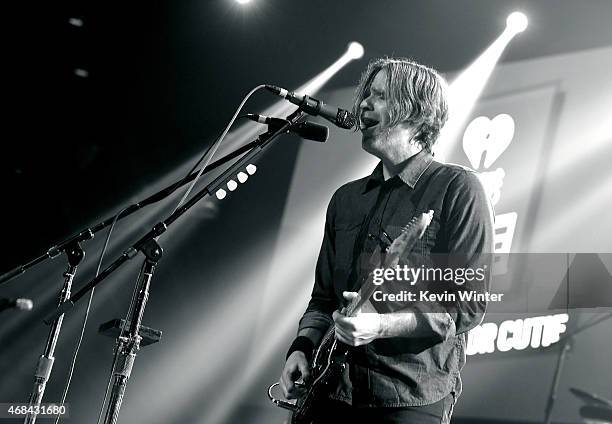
x,y
410,175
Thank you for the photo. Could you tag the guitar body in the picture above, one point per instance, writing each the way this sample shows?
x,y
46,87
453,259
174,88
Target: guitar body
x,y
328,364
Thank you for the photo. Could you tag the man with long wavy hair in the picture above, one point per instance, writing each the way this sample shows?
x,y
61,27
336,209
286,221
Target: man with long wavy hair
x,y
404,362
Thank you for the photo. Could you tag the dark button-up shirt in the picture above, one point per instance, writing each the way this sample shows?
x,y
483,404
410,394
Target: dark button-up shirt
x,y
402,371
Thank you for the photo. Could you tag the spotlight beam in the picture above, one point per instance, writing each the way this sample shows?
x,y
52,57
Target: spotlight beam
x,y
247,132
465,90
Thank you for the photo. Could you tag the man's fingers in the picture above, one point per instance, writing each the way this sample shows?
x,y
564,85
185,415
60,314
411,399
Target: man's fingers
x,y
295,367
346,340
285,386
286,382
304,370
347,334
347,337
344,322
290,389
348,295
336,315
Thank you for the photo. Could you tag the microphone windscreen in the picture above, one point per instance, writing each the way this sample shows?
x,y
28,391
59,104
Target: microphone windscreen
x,y
312,131
345,119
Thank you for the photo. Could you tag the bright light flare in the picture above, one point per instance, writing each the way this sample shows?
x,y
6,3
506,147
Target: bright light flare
x,y
243,1
221,194
77,22
464,91
242,177
232,185
251,169
516,22
355,50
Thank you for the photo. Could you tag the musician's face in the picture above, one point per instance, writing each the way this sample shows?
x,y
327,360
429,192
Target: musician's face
x,y
373,113
377,138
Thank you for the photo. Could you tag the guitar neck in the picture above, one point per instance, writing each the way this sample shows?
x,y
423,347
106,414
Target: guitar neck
x,y
365,292
411,233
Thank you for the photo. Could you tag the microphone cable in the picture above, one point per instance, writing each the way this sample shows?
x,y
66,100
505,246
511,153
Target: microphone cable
x,y
213,148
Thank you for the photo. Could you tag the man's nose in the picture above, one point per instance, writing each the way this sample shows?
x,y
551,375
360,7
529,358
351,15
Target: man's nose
x,y
365,104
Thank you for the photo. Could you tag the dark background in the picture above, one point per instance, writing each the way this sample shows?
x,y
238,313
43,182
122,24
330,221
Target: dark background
x,y
165,77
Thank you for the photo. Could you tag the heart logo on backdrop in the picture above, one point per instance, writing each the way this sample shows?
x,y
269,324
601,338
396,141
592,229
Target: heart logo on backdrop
x,y
488,136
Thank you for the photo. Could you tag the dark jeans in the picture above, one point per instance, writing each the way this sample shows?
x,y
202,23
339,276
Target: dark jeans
x,y
335,412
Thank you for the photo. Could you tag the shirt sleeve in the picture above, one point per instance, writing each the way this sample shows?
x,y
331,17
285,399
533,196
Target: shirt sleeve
x,y
470,244
467,225
322,301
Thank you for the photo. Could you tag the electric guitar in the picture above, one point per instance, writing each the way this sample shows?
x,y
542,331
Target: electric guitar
x,y
330,358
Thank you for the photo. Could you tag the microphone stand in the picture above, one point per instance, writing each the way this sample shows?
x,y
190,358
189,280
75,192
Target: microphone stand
x,y
75,255
45,362
128,344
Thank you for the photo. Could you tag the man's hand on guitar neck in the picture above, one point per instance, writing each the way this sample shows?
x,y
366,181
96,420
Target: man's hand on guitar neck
x,y
365,327
360,329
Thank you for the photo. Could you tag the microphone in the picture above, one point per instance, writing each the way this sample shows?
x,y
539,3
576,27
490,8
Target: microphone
x,y
340,117
20,303
306,130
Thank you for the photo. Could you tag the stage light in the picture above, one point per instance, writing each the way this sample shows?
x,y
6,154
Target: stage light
x,y
516,22
251,169
232,185
77,22
83,73
464,91
243,1
221,194
355,50
242,177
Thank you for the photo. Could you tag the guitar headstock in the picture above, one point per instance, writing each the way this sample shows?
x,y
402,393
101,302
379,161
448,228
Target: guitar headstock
x,y
412,232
